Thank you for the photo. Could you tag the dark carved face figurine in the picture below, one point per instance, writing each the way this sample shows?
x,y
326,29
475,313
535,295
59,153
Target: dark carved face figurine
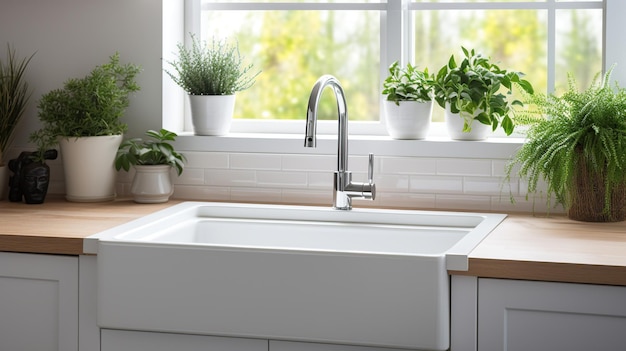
x,y
35,178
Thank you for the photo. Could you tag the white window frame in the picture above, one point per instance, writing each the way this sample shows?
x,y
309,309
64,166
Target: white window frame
x,y
271,135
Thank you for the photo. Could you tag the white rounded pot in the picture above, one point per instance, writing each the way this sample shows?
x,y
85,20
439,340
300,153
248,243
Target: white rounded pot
x,y
454,123
88,164
212,114
409,120
4,181
152,184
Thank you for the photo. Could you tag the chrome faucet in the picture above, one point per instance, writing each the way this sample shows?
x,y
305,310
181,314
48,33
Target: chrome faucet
x,y
344,189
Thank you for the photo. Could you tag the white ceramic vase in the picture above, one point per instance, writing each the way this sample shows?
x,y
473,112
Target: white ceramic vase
x,y
152,184
88,164
454,124
409,119
212,114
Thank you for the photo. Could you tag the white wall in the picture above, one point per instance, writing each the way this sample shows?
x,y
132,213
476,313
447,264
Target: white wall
x,y
70,37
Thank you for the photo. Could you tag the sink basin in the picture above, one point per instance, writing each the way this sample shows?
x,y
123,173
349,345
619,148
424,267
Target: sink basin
x,y
364,277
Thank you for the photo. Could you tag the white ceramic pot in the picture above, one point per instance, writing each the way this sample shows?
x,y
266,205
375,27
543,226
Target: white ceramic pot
x,y
409,120
4,181
152,184
212,114
88,164
454,123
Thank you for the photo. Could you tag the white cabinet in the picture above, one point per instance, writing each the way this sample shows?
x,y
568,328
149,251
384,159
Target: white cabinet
x,y
118,340
518,315
38,302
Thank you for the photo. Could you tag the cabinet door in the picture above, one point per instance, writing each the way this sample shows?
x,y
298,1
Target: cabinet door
x,y
308,346
38,302
118,340
523,315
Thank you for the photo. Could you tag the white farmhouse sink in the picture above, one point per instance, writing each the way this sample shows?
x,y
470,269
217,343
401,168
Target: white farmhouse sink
x,y
365,277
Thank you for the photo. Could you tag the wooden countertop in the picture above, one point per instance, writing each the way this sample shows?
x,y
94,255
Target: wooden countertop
x,y
521,247
552,249
58,226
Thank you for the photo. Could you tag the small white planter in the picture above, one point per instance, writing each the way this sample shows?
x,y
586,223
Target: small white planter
x,y
88,164
409,120
152,184
454,123
212,114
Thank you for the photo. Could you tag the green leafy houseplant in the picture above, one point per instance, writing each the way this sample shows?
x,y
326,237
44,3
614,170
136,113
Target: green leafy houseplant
x,y
14,95
579,149
217,69
150,152
407,84
90,106
476,84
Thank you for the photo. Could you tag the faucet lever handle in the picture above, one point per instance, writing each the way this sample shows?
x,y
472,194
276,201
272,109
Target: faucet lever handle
x,y
370,168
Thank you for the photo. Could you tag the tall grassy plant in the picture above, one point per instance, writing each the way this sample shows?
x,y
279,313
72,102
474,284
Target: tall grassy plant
x,y
582,130
216,69
14,95
92,105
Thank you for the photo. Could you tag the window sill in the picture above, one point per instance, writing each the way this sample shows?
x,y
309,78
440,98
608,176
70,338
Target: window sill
x,y
492,148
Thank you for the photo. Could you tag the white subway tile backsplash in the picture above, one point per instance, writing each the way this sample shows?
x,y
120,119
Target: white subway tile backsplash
x,y
190,176
206,159
234,178
309,163
455,166
436,184
307,197
256,195
317,180
281,179
483,185
408,165
201,193
255,161
406,200
392,183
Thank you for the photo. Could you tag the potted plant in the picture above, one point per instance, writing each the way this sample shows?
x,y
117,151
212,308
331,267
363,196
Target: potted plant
x,y
85,116
477,90
152,161
14,95
211,75
579,150
408,104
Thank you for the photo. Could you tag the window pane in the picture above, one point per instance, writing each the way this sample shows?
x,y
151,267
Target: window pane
x,y
578,46
293,49
514,39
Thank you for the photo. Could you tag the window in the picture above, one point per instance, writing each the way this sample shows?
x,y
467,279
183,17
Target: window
x,y
295,42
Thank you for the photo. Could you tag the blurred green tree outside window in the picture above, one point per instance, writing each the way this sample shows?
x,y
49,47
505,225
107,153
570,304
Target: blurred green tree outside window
x,y
294,45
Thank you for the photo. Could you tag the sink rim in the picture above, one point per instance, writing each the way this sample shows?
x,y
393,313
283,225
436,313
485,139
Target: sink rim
x,y
456,256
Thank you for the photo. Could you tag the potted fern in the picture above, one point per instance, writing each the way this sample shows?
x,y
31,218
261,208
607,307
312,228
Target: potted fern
x,y
408,104
476,96
152,160
85,116
211,75
579,149
14,95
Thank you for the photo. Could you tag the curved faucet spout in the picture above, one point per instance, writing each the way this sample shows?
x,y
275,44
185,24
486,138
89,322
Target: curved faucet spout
x,y
344,188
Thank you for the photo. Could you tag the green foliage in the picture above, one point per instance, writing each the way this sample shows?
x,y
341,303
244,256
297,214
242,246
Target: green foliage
x,y
476,84
211,70
14,95
407,84
590,122
150,152
90,106
44,142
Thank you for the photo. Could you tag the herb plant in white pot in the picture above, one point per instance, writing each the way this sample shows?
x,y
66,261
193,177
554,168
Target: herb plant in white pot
x,y
408,104
476,96
85,115
211,75
153,161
